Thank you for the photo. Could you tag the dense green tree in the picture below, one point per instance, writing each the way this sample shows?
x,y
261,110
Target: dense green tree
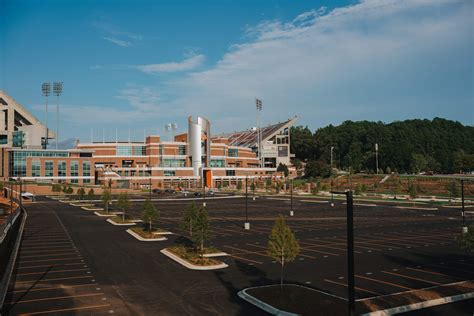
x,y
438,145
317,169
283,168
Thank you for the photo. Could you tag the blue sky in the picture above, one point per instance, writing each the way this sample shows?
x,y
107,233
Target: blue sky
x,y
141,64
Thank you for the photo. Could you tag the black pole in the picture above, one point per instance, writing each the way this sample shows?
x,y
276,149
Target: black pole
x,y
350,252
21,198
462,204
246,201
291,195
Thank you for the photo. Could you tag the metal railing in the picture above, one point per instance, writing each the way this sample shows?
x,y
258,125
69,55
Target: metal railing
x,y
9,222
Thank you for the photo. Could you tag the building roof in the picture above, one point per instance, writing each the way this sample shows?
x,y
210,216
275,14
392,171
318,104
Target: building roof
x,y
248,138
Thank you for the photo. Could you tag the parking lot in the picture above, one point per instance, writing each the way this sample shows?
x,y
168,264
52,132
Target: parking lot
x,y
397,252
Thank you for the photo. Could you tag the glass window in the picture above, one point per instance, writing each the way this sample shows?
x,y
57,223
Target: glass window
x,y
48,168
169,173
139,150
230,173
35,168
124,150
62,169
17,159
233,152
74,166
86,171
217,163
169,162
181,149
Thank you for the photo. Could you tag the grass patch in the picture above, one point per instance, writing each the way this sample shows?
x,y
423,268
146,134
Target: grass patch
x,y
145,233
118,220
190,255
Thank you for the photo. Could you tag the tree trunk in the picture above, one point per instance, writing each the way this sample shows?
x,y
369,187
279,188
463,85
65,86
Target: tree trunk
x,y
107,207
150,225
123,215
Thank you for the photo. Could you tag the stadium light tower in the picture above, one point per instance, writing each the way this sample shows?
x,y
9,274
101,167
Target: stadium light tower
x,y
259,106
57,90
46,90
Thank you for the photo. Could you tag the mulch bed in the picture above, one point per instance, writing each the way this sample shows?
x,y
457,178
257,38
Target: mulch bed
x,y
300,300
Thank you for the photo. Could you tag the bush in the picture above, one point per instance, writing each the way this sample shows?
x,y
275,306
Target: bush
x,y
317,168
90,194
69,190
81,192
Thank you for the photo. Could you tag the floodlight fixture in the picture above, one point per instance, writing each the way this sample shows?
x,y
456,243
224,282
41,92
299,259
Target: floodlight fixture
x,y
46,91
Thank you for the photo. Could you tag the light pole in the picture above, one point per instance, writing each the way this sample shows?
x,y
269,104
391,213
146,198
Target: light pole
x,y
253,189
332,194
46,90
246,224
464,227
377,157
57,90
259,106
291,198
350,251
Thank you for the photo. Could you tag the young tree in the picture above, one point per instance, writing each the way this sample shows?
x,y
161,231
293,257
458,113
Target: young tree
x,y
282,245
106,197
149,213
189,218
201,229
239,185
412,191
466,240
90,194
452,188
69,190
81,192
123,204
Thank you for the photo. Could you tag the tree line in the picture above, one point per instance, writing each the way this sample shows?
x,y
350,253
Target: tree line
x,y
410,146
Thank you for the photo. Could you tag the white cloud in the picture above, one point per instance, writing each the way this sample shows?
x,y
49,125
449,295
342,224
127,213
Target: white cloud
x,y
118,41
373,60
113,34
185,65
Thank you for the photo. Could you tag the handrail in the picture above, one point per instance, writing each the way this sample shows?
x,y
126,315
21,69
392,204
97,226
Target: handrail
x,y
9,222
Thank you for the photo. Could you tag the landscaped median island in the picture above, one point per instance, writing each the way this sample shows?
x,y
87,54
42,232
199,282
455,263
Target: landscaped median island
x,y
192,252
120,221
142,233
193,259
292,299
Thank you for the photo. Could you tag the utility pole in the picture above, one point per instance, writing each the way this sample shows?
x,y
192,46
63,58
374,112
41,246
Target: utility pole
x,y
246,224
253,189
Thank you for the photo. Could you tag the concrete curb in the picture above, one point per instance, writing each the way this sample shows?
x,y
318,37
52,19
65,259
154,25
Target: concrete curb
x,y
137,236
418,208
363,204
190,265
119,224
104,215
81,204
163,233
421,305
315,201
216,254
92,208
262,305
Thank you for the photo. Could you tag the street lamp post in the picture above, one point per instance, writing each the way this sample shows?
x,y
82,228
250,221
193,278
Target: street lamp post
x,y
377,157
350,251
332,194
291,198
246,224
464,227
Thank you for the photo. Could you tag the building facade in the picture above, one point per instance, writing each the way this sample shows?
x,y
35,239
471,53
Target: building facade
x,y
192,159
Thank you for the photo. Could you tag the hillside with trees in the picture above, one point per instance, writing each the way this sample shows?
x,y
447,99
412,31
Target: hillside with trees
x,y
410,146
